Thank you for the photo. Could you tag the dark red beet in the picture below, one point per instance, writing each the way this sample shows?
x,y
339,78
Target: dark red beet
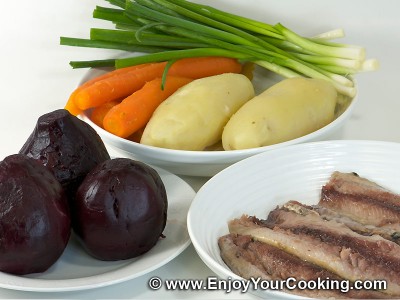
x,y
35,224
66,145
121,209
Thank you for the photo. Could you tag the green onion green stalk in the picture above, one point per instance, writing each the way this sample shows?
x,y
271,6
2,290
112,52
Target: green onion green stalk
x,y
167,30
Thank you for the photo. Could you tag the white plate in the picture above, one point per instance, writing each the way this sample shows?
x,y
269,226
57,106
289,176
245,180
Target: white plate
x,y
76,270
258,184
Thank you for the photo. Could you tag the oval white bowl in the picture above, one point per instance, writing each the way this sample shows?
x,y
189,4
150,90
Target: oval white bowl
x,y
256,185
209,163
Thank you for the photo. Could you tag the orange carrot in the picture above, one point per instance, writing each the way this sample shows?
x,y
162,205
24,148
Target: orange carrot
x,y
122,85
136,110
73,108
199,67
99,112
116,87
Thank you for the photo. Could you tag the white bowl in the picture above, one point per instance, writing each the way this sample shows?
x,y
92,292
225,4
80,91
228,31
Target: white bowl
x,y
256,185
209,163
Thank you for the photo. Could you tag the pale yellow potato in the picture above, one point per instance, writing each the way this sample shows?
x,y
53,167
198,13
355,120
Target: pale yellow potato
x,y
195,115
287,110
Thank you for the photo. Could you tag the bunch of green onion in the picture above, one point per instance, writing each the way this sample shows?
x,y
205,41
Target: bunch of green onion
x,y
167,30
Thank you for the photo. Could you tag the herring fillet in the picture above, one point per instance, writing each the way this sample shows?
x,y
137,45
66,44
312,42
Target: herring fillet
x,y
253,259
362,200
236,259
353,232
390,232
343,261
375,249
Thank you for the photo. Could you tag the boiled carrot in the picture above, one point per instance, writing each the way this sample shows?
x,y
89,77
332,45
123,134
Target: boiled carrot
x,y
199,67
73,108
122,85
99,112
136,110
116,87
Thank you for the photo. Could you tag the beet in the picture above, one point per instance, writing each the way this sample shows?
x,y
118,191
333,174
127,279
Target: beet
x,y
121,209
35,224
68,146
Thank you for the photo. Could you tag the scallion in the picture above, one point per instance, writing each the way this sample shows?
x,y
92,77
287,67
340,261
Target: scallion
x,y
167,30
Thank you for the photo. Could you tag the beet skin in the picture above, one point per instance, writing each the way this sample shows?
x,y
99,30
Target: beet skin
x,y
68,146
121,209
35,224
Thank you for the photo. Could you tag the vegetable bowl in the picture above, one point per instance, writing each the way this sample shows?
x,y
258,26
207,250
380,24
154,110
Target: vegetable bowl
x,y
191,30
211,161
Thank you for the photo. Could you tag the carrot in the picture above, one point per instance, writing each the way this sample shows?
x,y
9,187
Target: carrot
x,y
136,110
99,112
73,108
199,67
122,85
116,87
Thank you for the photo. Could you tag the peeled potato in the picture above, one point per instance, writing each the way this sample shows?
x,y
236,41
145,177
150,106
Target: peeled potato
x,y
195,115
287,110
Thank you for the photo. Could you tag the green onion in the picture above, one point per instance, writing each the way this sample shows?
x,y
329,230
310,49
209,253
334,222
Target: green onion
x,y
234,20
119,3
93,63
167,30
145,38
110,14
90,43
174,54
343,52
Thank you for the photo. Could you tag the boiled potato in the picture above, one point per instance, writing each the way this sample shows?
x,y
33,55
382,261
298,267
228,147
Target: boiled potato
x,y
289,109
195,115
